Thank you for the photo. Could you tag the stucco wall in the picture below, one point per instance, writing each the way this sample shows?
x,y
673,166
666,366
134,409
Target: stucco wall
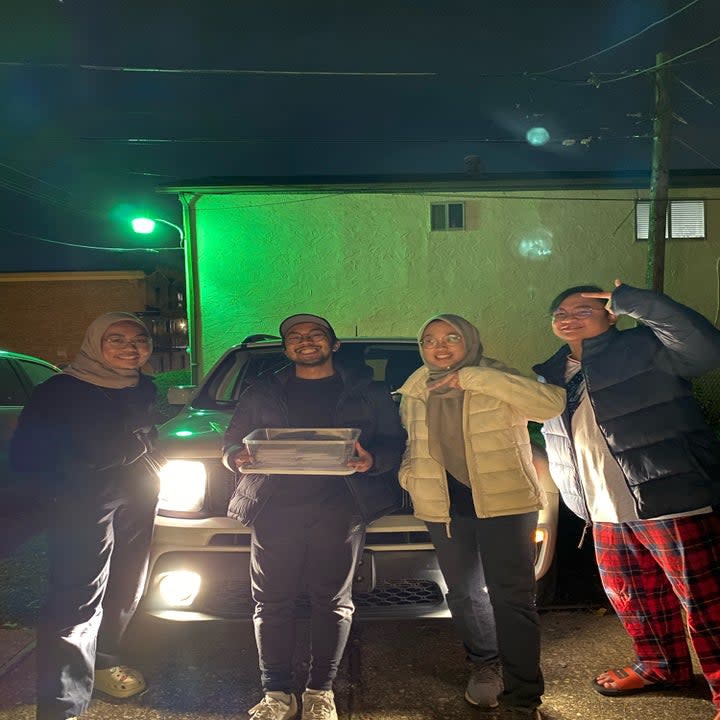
x,y
370,263
46,314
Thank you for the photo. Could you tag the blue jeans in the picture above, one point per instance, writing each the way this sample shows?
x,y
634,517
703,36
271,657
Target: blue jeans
x,y
502,621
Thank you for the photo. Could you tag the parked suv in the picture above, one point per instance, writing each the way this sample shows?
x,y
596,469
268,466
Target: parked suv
x,y
199,557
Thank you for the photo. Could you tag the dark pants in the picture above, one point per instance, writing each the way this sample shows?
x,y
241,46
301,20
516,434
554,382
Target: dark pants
x,y
500,550
98,544
296,549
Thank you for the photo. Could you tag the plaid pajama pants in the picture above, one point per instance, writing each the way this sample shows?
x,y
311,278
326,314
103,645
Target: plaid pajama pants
x,y
652,570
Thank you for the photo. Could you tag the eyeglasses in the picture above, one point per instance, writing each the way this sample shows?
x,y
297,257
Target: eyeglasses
x,y
296,338
579,313
451,339
118,341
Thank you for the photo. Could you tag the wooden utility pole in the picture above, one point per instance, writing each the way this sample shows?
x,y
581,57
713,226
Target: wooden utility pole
x,y
655,274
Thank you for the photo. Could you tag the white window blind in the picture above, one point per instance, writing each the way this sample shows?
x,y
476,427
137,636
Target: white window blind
x,y
685,220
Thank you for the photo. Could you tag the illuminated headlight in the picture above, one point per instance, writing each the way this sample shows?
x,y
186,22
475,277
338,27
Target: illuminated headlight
x,y
179,588
182,485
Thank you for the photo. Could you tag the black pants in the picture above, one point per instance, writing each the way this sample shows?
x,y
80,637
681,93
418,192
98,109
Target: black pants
x,y
98,544
501,549
295,549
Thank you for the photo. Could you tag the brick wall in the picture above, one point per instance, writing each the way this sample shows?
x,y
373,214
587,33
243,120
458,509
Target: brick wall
x,y
46,314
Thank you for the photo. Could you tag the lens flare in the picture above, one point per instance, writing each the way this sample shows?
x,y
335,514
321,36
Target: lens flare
x,y
537,136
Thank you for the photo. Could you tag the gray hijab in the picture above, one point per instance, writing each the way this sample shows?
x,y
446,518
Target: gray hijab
x,y
445,405
89,364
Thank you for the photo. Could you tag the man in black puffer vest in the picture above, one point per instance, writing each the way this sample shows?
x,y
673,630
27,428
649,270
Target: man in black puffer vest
x,y
633,456
308,530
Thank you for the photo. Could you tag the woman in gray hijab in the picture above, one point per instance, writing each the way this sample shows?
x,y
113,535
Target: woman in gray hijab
x,y
87,433
468,468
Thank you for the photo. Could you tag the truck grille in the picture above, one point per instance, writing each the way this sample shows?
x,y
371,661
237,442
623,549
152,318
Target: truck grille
x,y
232,599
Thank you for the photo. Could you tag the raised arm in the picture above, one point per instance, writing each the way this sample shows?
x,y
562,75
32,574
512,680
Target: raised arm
x,y
691,340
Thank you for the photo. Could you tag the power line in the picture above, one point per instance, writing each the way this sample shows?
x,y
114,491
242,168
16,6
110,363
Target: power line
x,y
214,71
693,91
618,44
142,142
87,247
653,68
16,187
697,152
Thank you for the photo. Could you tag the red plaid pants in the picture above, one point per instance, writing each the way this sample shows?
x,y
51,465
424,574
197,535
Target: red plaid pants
x,y
653,569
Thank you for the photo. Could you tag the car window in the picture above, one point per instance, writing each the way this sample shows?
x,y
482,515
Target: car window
x,y
36,372
389,362
235,373
11,389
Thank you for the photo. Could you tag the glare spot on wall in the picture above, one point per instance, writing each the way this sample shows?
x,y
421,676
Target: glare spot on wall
x,y
536,245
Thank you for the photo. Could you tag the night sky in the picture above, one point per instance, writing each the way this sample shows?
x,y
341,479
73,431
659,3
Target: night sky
x,y
105,99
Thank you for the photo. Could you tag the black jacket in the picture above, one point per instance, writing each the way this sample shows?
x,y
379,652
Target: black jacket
x,y
362,404
73,432
638,383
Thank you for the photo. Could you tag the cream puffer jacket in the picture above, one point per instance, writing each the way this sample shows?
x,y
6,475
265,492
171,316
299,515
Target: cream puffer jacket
x,y
499,401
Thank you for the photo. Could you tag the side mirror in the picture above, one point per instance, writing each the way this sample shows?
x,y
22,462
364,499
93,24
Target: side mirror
x,y
181,394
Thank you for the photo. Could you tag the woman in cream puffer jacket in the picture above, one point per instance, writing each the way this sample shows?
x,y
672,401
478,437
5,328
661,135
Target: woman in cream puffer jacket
x,y
499,404
469,472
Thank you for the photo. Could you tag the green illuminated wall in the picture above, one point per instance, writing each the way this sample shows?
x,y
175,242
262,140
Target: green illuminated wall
x,y
369,262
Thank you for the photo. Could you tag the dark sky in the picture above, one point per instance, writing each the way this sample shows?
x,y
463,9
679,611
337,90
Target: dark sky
x,y
92,119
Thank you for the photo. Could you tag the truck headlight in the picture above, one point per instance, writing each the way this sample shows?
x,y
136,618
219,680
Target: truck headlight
x,y
182,486
179,588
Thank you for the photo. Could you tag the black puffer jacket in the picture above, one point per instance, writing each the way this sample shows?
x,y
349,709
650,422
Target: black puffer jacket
x,y
638,383
363,404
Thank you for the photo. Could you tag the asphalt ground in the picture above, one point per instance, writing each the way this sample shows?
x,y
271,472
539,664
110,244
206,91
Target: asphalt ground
x,y
412,670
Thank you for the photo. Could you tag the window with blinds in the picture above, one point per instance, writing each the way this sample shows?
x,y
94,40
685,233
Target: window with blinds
x,y
685,220
447,216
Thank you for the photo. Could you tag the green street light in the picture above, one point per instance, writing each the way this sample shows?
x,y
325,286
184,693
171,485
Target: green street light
x,y
145,226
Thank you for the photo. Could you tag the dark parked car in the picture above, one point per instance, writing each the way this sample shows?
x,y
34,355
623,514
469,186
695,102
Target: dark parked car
x,y
199,557
19,374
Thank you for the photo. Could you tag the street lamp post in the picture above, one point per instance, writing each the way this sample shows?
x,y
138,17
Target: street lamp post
x,y
144,226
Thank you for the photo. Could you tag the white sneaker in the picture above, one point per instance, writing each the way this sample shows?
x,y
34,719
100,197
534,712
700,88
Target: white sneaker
x,y
318,705
276,705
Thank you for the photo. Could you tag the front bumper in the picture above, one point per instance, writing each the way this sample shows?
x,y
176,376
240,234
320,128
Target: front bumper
x,y
398,576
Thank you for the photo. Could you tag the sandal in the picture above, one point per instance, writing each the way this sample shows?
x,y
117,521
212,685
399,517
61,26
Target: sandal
x,y
628,682
120,682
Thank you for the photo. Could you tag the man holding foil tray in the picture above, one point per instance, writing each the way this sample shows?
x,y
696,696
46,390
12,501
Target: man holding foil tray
x,y
308,532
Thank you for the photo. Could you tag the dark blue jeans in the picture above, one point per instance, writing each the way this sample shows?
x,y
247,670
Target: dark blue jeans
x,y
497,553
296,549
98,544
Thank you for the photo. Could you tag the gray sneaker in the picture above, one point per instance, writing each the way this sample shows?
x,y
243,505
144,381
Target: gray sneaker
x,y
484,686
318,705
275,706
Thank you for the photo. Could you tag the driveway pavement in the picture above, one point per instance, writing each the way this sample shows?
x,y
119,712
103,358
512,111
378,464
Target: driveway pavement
x,y
392,671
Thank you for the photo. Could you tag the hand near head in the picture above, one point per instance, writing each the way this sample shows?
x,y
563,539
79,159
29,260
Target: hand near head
x,y
364,460
607,296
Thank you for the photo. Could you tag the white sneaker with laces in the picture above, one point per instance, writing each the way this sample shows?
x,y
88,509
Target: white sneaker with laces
x,y
276,705
318,705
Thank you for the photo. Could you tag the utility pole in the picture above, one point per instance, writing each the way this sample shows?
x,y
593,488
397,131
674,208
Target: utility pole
x,y
655,272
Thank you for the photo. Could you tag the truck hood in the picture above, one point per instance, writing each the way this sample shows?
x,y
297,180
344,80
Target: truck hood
x,y
193,434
